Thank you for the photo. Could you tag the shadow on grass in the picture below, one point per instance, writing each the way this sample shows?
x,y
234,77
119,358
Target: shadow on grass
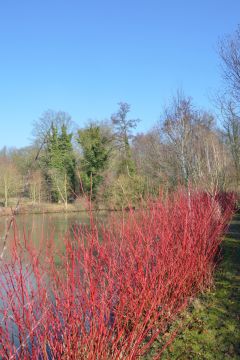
x,y
214,319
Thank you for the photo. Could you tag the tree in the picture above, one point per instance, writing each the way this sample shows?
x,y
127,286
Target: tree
x,y
192,149
177,127
36,186
229,101
59,164
50,118
229,51
210,157
60,186
150,155
68,157
95,147
123,133
10,180
231,126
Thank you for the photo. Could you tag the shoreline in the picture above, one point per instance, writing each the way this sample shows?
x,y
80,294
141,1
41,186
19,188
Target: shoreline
x,y
212,324
50,209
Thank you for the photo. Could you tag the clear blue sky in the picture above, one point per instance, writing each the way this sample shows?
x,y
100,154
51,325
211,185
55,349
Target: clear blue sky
x,y
83,57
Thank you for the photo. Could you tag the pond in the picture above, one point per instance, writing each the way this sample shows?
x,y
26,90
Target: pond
x,y
39,228
43,226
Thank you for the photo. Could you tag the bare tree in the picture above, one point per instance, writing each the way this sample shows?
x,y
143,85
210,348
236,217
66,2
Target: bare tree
x,y
229,51
60,184
50,118
36,186
123,133
229,101
210,157
194,151
146,153
231,130
177,126
153,160
10,180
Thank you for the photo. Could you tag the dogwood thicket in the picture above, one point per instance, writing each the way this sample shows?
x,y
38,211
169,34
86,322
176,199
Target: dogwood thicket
x,y
114,288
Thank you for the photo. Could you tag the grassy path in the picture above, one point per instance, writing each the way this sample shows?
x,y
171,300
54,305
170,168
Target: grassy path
x,y
214,330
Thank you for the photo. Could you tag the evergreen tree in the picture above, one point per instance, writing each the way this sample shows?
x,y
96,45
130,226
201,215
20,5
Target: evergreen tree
x,y
59,162
95,156
68,158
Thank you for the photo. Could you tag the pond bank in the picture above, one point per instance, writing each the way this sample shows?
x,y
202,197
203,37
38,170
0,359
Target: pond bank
x,y
213,330
51,209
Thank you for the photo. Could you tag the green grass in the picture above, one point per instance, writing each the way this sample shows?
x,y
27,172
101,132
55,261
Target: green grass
x,y
213,330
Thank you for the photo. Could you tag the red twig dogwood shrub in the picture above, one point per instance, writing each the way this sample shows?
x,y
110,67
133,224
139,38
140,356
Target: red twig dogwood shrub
x,y
115,288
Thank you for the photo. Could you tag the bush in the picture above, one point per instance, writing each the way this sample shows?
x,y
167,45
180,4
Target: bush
x,y
126,190
117,287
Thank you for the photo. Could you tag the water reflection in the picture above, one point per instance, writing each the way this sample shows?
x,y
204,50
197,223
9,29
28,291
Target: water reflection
x,y
43,226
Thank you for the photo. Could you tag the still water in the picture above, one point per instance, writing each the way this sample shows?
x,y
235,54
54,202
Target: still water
x,y
43,226
38,228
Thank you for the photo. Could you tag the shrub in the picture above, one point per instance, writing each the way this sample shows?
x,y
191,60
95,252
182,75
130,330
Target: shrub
x,y
117,287
126,189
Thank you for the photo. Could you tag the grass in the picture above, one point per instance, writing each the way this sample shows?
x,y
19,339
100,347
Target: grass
x,y
213,330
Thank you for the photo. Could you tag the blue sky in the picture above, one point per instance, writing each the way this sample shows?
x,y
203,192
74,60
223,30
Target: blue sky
x,y
83,57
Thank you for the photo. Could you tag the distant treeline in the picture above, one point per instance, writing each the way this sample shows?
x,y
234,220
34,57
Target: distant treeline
x,y
105,161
